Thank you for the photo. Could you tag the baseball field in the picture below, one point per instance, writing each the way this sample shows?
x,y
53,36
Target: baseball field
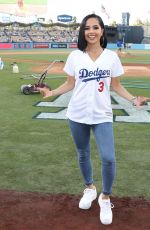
x,y
40,182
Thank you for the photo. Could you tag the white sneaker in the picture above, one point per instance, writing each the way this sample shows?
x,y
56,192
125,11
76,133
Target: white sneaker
x,y
106,215
88,196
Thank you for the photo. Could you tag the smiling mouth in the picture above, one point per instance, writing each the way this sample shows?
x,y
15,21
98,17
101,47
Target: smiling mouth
x,y
91,36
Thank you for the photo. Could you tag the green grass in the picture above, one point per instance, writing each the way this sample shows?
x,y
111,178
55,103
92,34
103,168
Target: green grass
x,y
39,155
139,58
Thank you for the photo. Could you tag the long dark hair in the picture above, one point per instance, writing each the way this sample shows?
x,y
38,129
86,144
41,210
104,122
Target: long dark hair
x,y
82,43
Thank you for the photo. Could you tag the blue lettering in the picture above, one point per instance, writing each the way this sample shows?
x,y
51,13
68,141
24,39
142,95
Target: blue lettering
x,y
84,73
96,74
90,73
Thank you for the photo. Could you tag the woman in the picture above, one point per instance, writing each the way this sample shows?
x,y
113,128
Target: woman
x,y
91,69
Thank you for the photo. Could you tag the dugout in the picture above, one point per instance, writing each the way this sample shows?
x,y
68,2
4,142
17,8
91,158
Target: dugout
x,y
111,33
130,34
126,34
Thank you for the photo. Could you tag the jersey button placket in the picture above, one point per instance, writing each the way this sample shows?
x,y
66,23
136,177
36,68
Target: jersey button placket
x,y
90,103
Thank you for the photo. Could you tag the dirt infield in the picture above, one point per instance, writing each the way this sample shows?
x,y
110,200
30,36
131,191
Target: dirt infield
x,y
134,70
36,211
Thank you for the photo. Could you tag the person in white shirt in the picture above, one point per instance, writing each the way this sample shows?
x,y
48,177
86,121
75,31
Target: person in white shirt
x,y
1,64
91,70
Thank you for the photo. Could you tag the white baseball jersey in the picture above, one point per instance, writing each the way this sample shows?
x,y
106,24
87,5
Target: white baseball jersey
x,y
90,102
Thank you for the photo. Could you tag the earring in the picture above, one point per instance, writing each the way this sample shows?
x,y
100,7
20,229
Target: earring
x,y
102,40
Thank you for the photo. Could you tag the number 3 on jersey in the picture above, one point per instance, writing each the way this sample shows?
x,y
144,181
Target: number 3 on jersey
x,y
101,86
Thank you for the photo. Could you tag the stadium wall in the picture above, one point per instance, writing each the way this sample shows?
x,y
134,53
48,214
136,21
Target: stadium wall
x,y
37,45
63,45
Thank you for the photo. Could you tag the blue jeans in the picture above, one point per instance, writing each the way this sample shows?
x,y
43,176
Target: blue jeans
x,y
104,137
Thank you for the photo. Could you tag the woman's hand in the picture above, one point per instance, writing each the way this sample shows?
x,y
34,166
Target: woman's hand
x,y
121,90
45,92
140,100
67,86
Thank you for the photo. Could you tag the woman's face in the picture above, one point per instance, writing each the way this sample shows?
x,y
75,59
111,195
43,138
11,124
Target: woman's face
x,y
93,31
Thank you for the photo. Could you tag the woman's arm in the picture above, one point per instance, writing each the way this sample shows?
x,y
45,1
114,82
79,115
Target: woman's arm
x,y
120,90
64,88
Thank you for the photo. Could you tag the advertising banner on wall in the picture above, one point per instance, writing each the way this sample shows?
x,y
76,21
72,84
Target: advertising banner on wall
x,y
72,45
59,45
6,46
22,45
41,45
64,18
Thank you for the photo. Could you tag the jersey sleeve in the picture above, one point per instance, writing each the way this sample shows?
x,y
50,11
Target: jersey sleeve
x,y
69,66
117,68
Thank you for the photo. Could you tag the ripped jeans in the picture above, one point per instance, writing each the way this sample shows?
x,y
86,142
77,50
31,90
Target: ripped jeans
x,y
104,137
